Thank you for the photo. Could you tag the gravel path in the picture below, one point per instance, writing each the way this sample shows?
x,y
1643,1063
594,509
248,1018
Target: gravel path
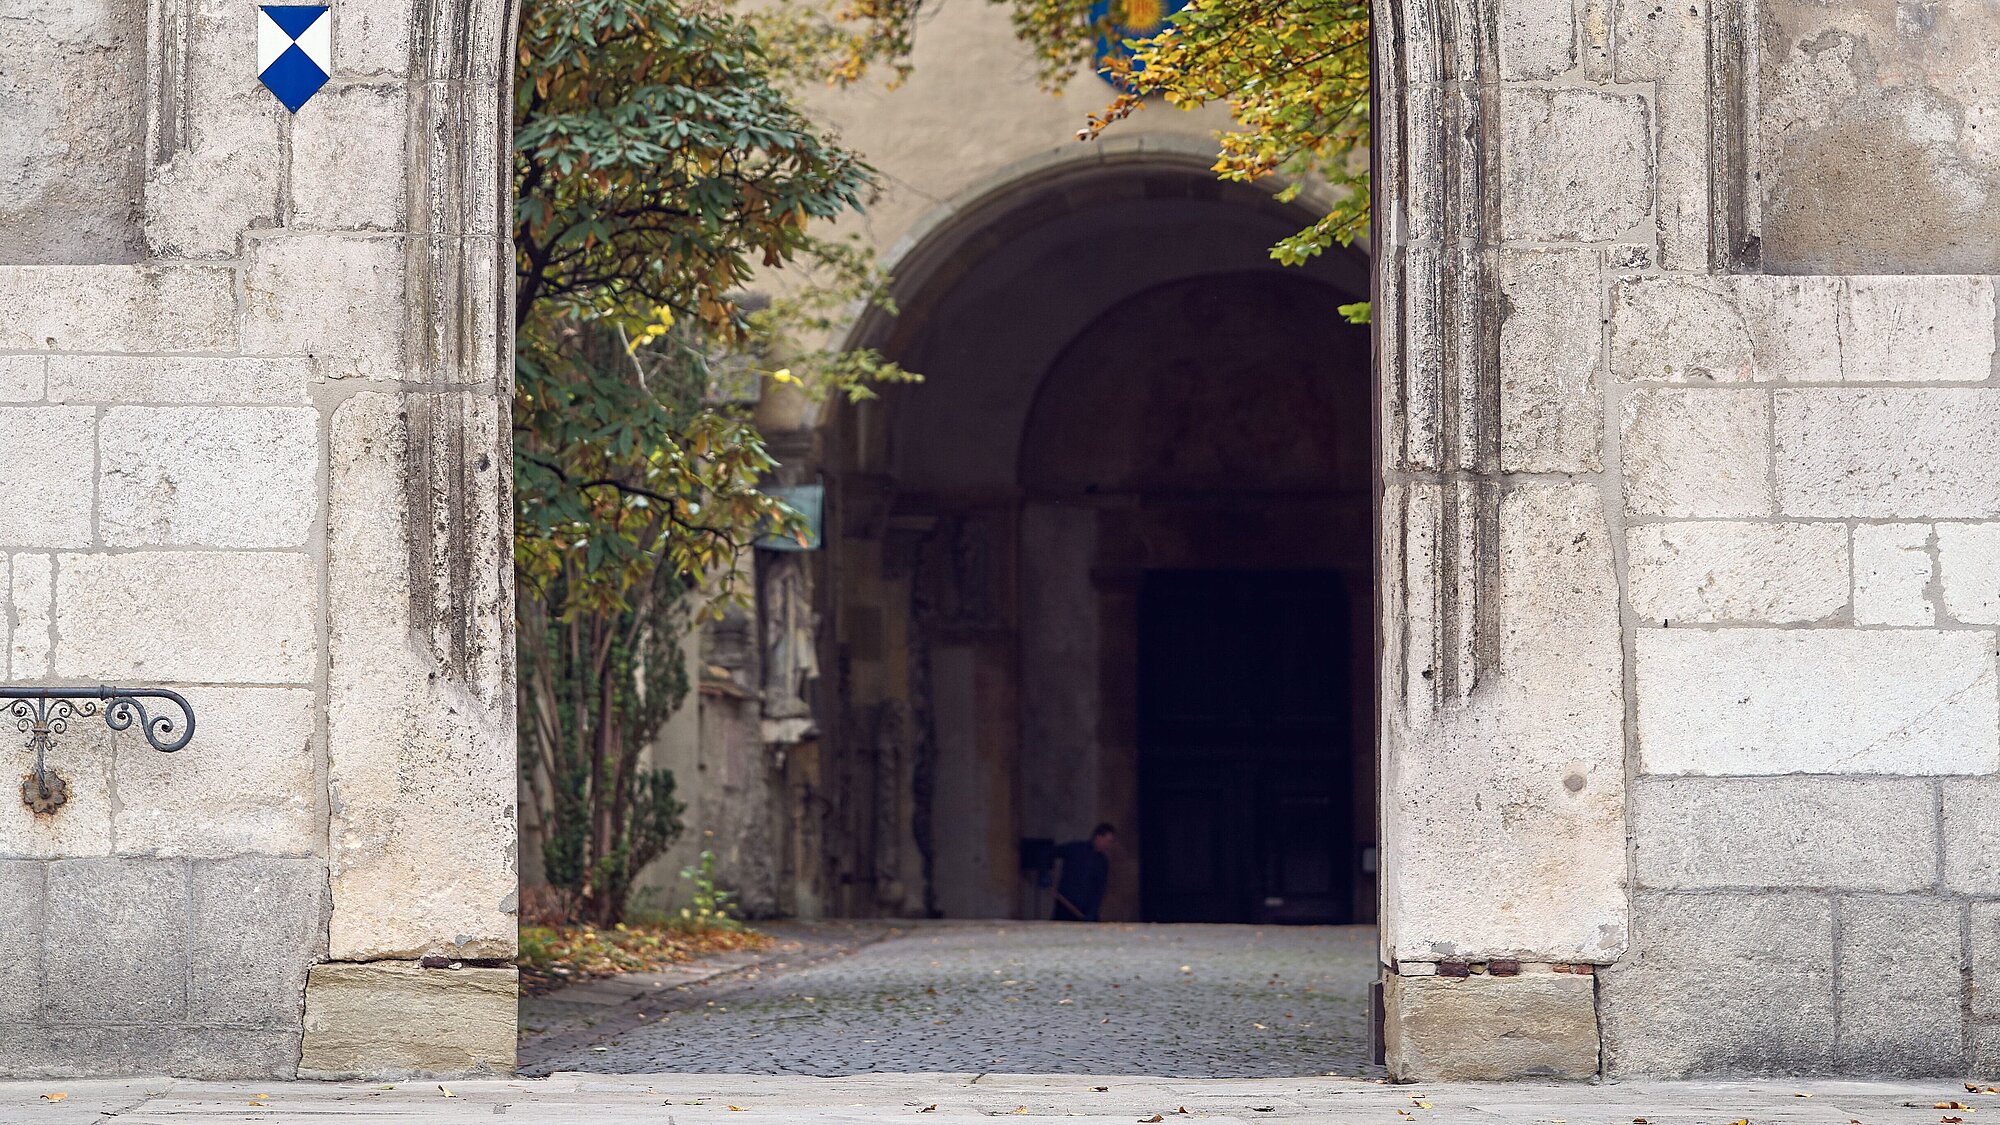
x,y
1021,998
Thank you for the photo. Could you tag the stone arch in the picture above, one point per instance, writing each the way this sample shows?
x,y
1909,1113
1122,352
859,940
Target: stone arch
x,y
906,474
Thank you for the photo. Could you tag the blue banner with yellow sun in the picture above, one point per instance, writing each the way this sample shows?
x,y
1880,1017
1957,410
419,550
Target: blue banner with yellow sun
x,y
1119,21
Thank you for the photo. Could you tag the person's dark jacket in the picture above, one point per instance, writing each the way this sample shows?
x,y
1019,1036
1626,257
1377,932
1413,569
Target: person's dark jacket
x,y
1085,870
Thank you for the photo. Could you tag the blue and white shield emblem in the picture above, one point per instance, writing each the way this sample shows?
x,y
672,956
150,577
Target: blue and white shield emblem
x,y
294,50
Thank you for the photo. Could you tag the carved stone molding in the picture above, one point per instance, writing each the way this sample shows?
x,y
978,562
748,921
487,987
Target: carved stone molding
x,y
1438,338
460,257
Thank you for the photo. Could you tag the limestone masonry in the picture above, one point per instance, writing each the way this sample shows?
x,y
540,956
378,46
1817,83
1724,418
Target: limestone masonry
x,y
1686,551
253,448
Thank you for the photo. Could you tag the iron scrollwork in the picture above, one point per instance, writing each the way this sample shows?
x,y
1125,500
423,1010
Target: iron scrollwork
x,y
43,713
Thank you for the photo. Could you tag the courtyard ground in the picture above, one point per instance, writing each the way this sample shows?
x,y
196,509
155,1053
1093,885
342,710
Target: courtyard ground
x,y
1013,997
953,1023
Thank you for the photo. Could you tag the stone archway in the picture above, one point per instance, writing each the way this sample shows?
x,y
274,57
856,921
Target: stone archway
x,y
928,587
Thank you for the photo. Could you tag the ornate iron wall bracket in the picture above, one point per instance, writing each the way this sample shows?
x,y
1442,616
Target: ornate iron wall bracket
x,y
42,713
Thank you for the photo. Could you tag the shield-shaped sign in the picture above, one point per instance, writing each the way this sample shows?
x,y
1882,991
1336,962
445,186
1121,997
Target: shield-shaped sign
x,y
294,50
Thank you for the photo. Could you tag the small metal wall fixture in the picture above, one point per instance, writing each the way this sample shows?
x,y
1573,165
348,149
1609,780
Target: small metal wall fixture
x,y
42,713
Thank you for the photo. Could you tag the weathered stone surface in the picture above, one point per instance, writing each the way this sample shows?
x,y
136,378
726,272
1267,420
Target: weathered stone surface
x,y
20,941
31,597
340,297
1485,1028
1728,571
118,947
152,1051
349,147
1537,38
1660,42
1528,773
147,308
1721,984
72,154
218,156
1983,944
1872,150
390,1021
1969,571
1899,985
1972,836
168,379
83,827
1888,453
202,616
207,476
1893,574
1667,44
45,471
1576,165
1697,453
1777,701
1745,328
1551,401
261,922
1918,329
375,40
1753,832
421,724
22,377
244,786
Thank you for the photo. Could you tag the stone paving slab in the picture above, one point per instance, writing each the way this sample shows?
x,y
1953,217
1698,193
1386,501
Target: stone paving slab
x,y
963,1099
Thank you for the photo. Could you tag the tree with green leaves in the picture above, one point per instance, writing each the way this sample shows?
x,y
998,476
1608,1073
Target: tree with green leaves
x,y
657,164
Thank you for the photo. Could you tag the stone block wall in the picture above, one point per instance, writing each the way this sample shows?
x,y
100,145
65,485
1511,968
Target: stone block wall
x,y
253,448
1809,469
1720,725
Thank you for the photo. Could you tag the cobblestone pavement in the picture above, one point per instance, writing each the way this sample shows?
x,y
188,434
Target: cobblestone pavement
x,y
1018,997
965,1099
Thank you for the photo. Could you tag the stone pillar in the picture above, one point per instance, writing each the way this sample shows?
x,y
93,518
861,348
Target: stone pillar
x,y
1689,549
253,435
1503,850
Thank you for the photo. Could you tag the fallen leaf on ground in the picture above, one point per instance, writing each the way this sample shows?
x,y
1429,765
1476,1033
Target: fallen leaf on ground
x,y
55,1097
1951,1120
1151,1120
1638,1121
446,1093
1951,1105
1423,1105
932,1108
736,1109
1802,1095
1100,1089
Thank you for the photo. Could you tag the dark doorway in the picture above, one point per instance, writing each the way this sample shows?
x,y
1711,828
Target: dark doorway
x,y
1246,754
